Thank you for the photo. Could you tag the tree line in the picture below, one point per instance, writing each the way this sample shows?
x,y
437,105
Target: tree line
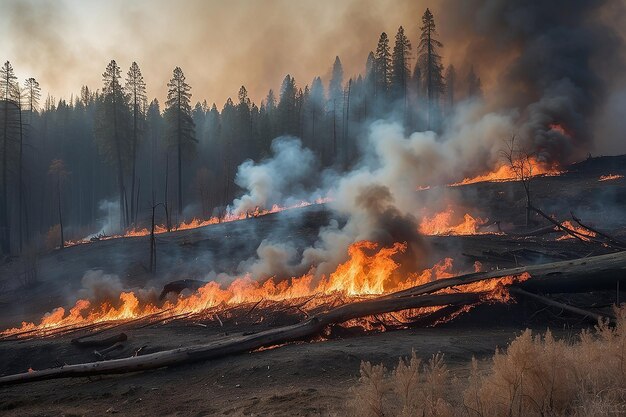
x,y
111,153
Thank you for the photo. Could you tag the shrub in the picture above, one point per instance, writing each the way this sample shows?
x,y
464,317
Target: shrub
x,y
534,376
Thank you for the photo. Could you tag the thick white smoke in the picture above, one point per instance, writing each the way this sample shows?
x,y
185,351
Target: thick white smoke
x,y
376,200
278,180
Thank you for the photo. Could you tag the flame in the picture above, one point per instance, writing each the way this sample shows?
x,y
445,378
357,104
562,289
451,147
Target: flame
x,y
442,224
505,173
557,127
196,223
583,233
610,177
370,270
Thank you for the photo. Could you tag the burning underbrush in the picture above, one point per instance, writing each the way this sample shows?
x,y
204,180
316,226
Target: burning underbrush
x,y
506,173
195,223
446,223
370,271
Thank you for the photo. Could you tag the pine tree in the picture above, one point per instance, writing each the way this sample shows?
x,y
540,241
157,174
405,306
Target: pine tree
x,y
9,89
474,89
181,130
335,101
136,92
315,111
287,110
431,67
111,130
32,94
370,83
401,72
383,66
450,86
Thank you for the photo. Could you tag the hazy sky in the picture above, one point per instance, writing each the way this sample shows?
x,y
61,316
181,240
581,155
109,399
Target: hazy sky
x,y
220,45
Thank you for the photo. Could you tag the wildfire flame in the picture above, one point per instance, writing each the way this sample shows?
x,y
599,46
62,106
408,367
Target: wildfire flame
x,y
610,177
442,223
196,223
505,173
370,270
583,233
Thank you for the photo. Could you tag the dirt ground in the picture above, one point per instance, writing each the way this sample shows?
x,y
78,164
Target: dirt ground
x,y
306,378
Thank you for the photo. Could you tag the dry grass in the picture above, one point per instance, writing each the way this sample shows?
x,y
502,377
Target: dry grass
x,y
534,376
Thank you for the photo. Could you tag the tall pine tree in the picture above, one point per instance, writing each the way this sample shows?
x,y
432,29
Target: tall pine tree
x,y
382,67
111,130
401,72
431,67
181,128
136,92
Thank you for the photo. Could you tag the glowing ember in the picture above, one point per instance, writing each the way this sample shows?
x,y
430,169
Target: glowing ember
x,y
583,233
504,173
610,177
443,224
370,270
196,223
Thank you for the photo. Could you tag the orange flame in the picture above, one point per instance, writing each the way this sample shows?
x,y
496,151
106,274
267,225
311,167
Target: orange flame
x,y
583,233
196,223
505,173
442,224
610,177
369,270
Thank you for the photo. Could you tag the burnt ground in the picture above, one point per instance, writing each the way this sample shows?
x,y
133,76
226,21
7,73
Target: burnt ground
x,y
297,379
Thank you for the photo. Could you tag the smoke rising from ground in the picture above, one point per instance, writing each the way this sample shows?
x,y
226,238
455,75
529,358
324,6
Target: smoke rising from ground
x,y
281,179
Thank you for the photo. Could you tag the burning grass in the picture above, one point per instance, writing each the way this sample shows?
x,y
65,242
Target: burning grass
x,y
196,223
369,271
445,223
505,173
534,376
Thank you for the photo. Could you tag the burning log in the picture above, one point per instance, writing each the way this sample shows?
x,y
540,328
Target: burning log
x,y
590,273
573,233
612,241
240,344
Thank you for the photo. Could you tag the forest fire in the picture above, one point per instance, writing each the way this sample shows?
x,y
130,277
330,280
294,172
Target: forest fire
x,y
443,223
370,270
505,173
197,223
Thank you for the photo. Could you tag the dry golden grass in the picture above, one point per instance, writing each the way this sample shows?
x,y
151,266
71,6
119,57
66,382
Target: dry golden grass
x,y
534,376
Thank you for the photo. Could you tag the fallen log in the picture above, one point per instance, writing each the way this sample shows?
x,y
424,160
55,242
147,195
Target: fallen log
x,y
239,344
576,275
80,341
618,244
553,303
593,272
537,232
566,229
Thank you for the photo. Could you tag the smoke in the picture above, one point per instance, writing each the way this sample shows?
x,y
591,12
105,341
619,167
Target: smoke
x,y
549,57
109,220
279,179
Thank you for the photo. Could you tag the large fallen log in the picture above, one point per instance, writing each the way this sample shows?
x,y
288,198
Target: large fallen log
x,y
595,317
239,344
576,275
593,272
